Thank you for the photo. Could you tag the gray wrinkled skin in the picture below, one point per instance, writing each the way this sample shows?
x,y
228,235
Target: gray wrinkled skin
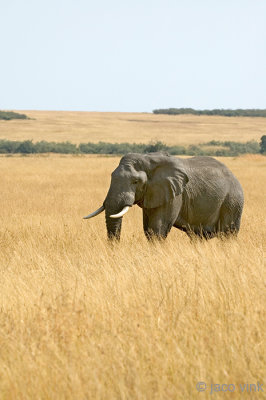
x,y
198,195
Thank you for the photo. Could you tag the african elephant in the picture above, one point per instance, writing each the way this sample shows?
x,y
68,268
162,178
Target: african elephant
x,y
198,195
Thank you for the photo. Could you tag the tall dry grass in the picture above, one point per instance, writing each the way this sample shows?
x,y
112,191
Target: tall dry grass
x,y
81,319
80,127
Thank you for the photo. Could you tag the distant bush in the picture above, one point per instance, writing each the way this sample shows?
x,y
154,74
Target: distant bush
x,y
28,147
263,144
155,146
8,115
212,148
224,112
112,148
176,150
194,150
8,146
235,148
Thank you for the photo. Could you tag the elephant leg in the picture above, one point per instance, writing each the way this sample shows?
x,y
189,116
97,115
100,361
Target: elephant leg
x,y
157,222
229,222
145,224
202,233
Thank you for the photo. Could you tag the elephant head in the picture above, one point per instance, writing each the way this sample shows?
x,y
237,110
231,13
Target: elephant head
x,y
149,180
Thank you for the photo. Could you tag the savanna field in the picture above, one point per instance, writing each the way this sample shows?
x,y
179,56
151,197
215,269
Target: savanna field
x,y
84,319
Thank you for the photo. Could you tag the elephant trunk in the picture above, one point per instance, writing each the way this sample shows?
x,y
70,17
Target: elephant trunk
x,y
116,205
113,226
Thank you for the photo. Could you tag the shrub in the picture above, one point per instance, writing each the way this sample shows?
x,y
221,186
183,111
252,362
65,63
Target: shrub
x,y
227,113
227,148
26,147
263,144
176,150
8,115
155,146
8,146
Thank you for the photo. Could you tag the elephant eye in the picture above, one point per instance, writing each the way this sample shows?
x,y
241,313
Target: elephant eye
x,y
135,181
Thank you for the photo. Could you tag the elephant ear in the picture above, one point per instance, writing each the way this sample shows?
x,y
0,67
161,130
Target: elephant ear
x,y
167,180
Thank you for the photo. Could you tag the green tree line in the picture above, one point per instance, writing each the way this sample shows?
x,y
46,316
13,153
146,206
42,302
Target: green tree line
x,y
225,112
212,148
8,115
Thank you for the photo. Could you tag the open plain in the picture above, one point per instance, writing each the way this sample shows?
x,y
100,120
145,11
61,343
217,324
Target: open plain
x,y
83,127
84,319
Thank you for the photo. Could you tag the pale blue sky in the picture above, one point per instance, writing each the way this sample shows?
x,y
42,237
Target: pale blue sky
x,y
132,55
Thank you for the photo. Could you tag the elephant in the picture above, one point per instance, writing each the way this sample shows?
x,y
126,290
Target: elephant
x,y
198,195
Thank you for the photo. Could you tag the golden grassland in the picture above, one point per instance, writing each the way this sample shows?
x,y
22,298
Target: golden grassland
x,y
80,127
83,319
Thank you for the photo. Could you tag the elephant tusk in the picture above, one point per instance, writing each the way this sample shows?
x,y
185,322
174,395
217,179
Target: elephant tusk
x,y
123,212
101,209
